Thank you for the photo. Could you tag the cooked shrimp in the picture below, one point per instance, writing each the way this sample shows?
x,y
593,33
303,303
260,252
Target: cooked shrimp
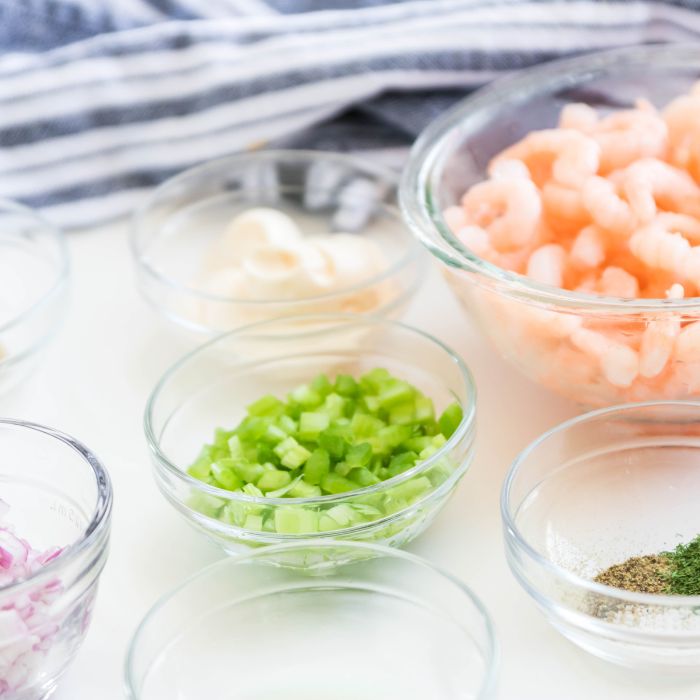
x,y
508,170
579,116
687,226
546,265
566,155
659,339
608,210
616,282
618,362
508,209
455,217
681,117
626,136
659,248
650,184
479,242
563,208
588,249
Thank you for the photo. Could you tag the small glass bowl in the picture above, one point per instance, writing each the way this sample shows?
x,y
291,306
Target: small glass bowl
x,y
530,323
211,387
322,192
593,492
59,495
33,288
385,625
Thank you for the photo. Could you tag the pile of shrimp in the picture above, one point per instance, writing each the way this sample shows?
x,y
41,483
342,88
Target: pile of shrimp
x,y
605,205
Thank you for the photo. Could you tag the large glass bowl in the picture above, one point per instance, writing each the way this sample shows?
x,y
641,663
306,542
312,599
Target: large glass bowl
x,y
385,625
593,492
323,193
530,323
211,387
33,288
57,495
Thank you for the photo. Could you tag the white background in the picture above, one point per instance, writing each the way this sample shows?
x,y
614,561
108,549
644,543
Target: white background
x,y
94,383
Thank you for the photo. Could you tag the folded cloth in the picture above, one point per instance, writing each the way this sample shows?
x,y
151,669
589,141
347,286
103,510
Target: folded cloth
x,y
101,100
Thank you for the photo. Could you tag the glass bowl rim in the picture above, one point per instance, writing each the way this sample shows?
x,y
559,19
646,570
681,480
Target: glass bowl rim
x,y
61,272
412,253
100,519
334,320
491,648
433,146
513,531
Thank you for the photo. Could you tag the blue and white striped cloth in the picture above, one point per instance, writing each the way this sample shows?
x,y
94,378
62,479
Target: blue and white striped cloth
x,y
102,99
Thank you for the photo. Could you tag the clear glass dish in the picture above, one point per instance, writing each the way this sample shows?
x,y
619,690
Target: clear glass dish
x,y
212,386
593,492
384,625
322,192
33,288
526,321
59,495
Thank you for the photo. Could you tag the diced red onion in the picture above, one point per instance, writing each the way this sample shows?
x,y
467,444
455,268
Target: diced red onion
x,y
26,626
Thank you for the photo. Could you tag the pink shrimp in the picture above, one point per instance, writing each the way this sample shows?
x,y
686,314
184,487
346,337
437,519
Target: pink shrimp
x,y
618,362
563,208
650,184
629,135
659,338
588,249
579,116
479,242
616,282
509,210
566,155
611,212
659,248
546,265
681,117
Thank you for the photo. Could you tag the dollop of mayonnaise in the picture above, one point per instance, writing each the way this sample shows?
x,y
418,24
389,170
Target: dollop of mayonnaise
x,y
264,256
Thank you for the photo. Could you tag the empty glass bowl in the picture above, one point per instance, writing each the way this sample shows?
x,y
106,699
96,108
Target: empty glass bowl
x,y
591,493
324,193
387,625
33,288
54,495
529,323
212,386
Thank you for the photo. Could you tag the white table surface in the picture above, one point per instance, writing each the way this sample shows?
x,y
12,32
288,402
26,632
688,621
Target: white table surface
x,y
94,383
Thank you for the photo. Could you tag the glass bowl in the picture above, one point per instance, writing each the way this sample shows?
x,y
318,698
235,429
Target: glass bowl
x,y
55,494
385,625
212,386
33,288
530,324
323,193
593,492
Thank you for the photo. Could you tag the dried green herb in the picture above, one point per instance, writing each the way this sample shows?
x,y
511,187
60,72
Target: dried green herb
x,y
648,574
676,572
684,573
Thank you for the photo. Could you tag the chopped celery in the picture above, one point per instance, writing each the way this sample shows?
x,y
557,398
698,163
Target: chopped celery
x,y
266,406
345,385
311,424
295,520
331,436
291,453
317,466
274,479
450,419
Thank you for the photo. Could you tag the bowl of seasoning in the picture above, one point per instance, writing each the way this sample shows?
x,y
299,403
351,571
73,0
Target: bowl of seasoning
x,y
261,235
55,508
398,628
33,289
564,203
320,426
602,530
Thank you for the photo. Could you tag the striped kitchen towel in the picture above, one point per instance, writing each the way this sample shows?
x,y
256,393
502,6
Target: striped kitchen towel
x,y
102,99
